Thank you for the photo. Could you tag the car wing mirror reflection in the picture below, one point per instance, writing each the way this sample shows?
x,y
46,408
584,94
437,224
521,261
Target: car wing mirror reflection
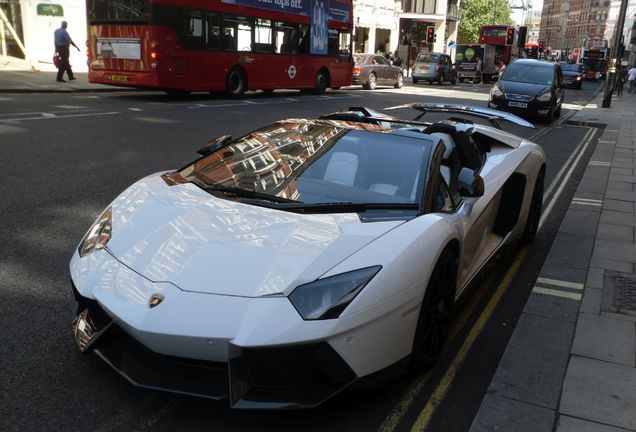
x,y
471,184
215,144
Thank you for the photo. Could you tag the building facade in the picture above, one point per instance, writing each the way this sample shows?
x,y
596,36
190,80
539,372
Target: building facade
x,y
376,25
629,29
569,24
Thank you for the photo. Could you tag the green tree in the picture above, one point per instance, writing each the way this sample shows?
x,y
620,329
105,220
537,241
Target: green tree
x,y
476,13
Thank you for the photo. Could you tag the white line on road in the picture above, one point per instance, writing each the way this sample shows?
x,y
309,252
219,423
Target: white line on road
x,y
557,293
597,163
560,283
58,117
135,109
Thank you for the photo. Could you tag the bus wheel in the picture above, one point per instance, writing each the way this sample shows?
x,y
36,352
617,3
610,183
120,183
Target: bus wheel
x,y
235,83
322,82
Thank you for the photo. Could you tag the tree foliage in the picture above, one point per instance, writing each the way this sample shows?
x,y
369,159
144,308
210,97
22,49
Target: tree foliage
x,y
476,13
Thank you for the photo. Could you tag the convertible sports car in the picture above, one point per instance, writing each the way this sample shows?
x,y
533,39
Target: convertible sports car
x,y
304,258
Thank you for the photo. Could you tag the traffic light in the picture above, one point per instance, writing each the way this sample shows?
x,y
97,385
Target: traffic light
x,y
521,36
540,46
430,34
510,36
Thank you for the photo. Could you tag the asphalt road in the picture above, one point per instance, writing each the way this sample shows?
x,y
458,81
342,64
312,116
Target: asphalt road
x,y
64,157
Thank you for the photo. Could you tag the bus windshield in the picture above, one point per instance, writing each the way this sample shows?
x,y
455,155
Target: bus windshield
x,y
118,11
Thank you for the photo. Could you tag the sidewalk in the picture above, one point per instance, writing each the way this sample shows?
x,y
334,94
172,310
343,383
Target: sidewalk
x,y
570,363
16,76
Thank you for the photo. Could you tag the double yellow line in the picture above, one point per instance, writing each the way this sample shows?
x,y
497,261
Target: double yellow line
x,y
425,416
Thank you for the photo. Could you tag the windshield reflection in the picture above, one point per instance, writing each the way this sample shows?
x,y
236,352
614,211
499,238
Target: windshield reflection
x,y
316,162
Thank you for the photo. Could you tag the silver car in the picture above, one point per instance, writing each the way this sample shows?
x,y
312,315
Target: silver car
x,y
434,67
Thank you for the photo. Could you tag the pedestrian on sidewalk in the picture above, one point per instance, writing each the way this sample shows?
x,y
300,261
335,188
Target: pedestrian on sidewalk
x,y
620,81
479,70
63,42
631,77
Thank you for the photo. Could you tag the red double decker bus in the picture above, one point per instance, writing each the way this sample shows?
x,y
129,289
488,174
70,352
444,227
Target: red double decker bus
x,y
532,50
496,35
184,46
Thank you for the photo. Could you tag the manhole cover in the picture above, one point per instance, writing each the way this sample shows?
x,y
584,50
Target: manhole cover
x,y
625,294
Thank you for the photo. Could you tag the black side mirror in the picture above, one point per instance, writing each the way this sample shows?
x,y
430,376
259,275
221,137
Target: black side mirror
x,y
215,144
494,78
471,184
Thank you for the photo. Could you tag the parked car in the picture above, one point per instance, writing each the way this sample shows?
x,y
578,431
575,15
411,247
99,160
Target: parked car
x,y
284,266
434,67
573,74
371,70
530,88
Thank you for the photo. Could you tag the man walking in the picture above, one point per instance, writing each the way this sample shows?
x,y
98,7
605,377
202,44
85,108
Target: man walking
x,y
479,70
631,78
62,44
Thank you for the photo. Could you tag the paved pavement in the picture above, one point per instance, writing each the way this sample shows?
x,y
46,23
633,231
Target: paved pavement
x,y
570,365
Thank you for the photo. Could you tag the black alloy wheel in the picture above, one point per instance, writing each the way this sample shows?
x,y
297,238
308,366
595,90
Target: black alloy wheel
x,y
235,83
534,213
399,81
435,314
322,82
415,80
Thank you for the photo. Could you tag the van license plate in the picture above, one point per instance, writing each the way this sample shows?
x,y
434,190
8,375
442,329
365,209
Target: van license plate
x,y
518,104
119,78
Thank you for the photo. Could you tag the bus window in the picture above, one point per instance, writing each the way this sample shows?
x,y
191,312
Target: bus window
x,y
237,33
113,11
263,40
193,34
283,32
214,31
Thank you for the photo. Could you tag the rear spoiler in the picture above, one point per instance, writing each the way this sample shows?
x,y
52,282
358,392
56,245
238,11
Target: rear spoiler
x,y
491,115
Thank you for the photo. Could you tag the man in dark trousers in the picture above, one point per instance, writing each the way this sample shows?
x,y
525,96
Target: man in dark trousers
x,y
62,44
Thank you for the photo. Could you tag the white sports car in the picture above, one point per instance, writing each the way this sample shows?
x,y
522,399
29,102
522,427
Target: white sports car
x,y
305,257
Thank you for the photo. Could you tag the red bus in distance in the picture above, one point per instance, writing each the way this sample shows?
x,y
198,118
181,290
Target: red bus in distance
x,y
496,35
220,45
532,50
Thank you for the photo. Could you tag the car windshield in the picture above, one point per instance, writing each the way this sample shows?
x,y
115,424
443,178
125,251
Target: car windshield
x,y
427,58
316,162
529,73
575,67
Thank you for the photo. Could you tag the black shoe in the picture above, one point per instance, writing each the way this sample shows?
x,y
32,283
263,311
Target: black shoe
x,y
71,78
61,80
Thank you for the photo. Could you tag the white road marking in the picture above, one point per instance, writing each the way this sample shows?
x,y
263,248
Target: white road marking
x,y
59,117
45,114
557,293
560,283
562,182
606,142
135,109
588,202
598,163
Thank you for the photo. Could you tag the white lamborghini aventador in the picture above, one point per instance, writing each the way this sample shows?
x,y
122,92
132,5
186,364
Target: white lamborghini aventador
x,y
282,267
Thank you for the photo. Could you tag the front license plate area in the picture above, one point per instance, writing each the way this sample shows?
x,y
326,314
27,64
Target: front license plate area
x,y
119,78
518,104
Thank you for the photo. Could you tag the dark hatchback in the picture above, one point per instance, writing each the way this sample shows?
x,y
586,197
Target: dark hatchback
x,y
573,74
530,88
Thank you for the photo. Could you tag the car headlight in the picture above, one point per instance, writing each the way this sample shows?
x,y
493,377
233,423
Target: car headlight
x,y
495,92
545,97
578,78
327,298
99,234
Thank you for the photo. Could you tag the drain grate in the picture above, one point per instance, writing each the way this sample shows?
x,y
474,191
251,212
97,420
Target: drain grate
x,y
625,293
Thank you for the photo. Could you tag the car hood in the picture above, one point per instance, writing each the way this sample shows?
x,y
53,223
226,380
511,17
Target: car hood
x,y
185,236
571,73
529,89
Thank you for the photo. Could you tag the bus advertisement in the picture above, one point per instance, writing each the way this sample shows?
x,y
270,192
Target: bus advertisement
x,y
496,35
220,45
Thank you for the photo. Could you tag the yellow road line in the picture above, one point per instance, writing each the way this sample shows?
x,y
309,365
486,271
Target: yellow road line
x,y
399,410
442,388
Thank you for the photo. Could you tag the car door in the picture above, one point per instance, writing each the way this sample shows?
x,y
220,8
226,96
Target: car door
x,y
384,69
